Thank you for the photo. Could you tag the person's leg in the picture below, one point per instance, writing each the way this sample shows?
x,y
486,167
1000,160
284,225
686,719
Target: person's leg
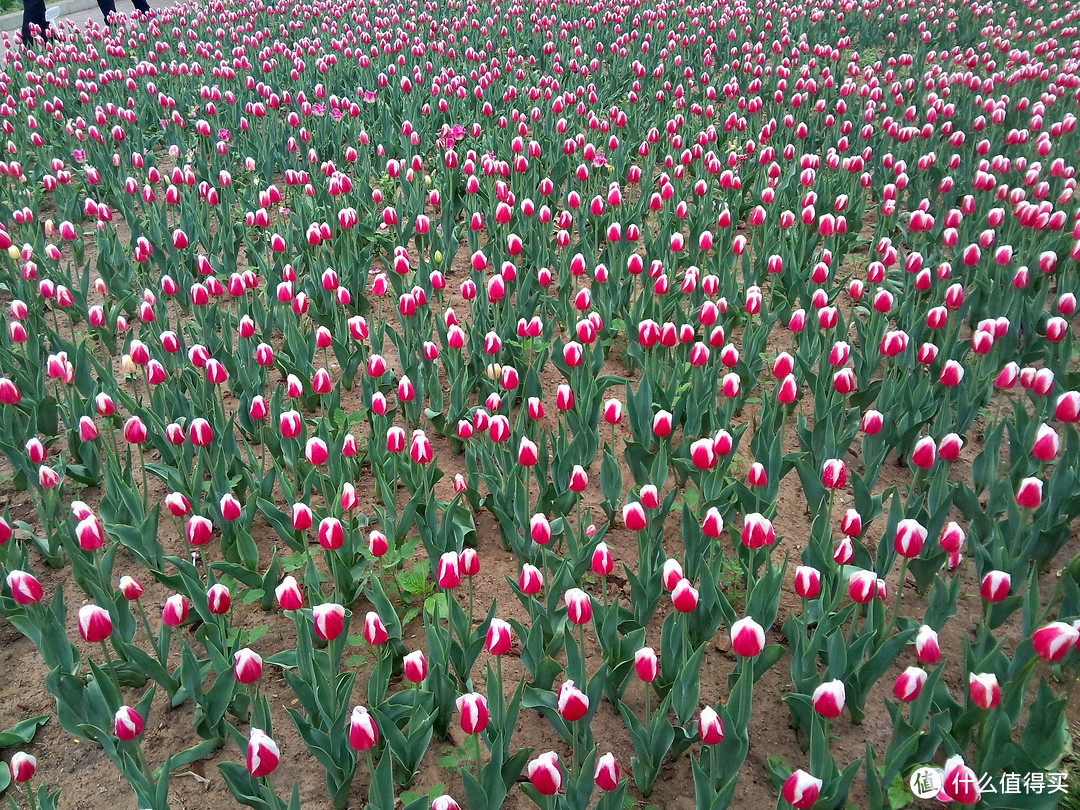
x,y
33,15
141,5
108,8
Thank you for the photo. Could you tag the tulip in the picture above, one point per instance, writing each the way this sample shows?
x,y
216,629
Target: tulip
x,y
178,506
90,534
329,620
499,637
960,783
606,775
175,612
909,539
646,664
984,690
23,767
713,523
671,574
95,625
531,580
834,474
828,699
801,790
199,530
578,606
684,596
415,667
862,586
474,712
375,632
634,516
573,704
545,774
25,589
127,723
130,588
448,573
851,523
288,594
909,684
579,479
710,728
807,582
262,754
747,638
952,537
1052,642
1029,494
363,733
247,666
540,529
995,586
602,563
1046,445
927,648
703,454
331,533
444,802
757,531
301,517
218,599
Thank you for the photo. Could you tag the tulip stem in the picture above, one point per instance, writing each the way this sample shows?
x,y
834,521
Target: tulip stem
x,y
899,594
109,663
584,680
30,798
648,687
146,626
854,623
476,763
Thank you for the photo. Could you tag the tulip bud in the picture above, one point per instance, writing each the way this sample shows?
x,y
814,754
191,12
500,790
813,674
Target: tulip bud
x,y
807,582
329,620
175,612
474,712
262,754
531,580
984,690
247,666
127,723
1053,641
959,783
801,790
757,531
572,704
606,775
375,632
684,596
499,637
1029,494
25,589
288,594
747,638
363,733
94,623
828,699
23,767
578,606
710,728
909,684
415,667
545,774
218,599
448,573
926,645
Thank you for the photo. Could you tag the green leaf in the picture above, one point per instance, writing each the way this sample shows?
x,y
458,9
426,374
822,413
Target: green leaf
x,y
22,732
